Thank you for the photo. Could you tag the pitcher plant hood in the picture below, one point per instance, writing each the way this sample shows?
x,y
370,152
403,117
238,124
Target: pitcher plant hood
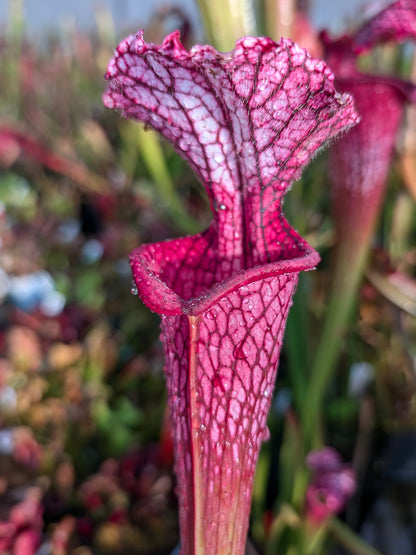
x,y
247,122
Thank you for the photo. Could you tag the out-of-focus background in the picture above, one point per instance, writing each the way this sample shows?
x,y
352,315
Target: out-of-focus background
x,y
43,16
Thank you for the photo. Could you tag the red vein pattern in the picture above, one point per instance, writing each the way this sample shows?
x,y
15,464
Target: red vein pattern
x,y
247,122
236,346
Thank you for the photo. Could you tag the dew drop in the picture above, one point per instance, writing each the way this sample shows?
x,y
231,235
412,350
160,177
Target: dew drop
x,y
219,157
222,207
239,352
134,290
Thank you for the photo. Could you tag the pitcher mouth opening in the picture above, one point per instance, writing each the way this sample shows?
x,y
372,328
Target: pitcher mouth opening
x,y
172,280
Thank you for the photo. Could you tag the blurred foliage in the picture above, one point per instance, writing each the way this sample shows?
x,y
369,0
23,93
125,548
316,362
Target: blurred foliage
x,y
83,429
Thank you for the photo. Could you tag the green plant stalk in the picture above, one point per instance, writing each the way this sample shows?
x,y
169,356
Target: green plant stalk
x,y
291,461
344,536
105,25
226,21
279,18
315,540
286,518
15,23
260,485
300,484
155,162
348,539
296,343
402,226
349,264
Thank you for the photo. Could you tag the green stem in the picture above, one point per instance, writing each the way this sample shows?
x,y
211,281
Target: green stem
x,y
16,21
349,539
226,21
279,18
316,540
11,66
296,343
286,518
348,272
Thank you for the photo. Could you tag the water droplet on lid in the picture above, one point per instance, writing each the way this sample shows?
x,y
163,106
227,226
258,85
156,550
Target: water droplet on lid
x,y
134,290
239,352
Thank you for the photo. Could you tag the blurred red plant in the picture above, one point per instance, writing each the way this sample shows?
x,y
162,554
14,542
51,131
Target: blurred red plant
x,y
359,162
333,483
21,533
